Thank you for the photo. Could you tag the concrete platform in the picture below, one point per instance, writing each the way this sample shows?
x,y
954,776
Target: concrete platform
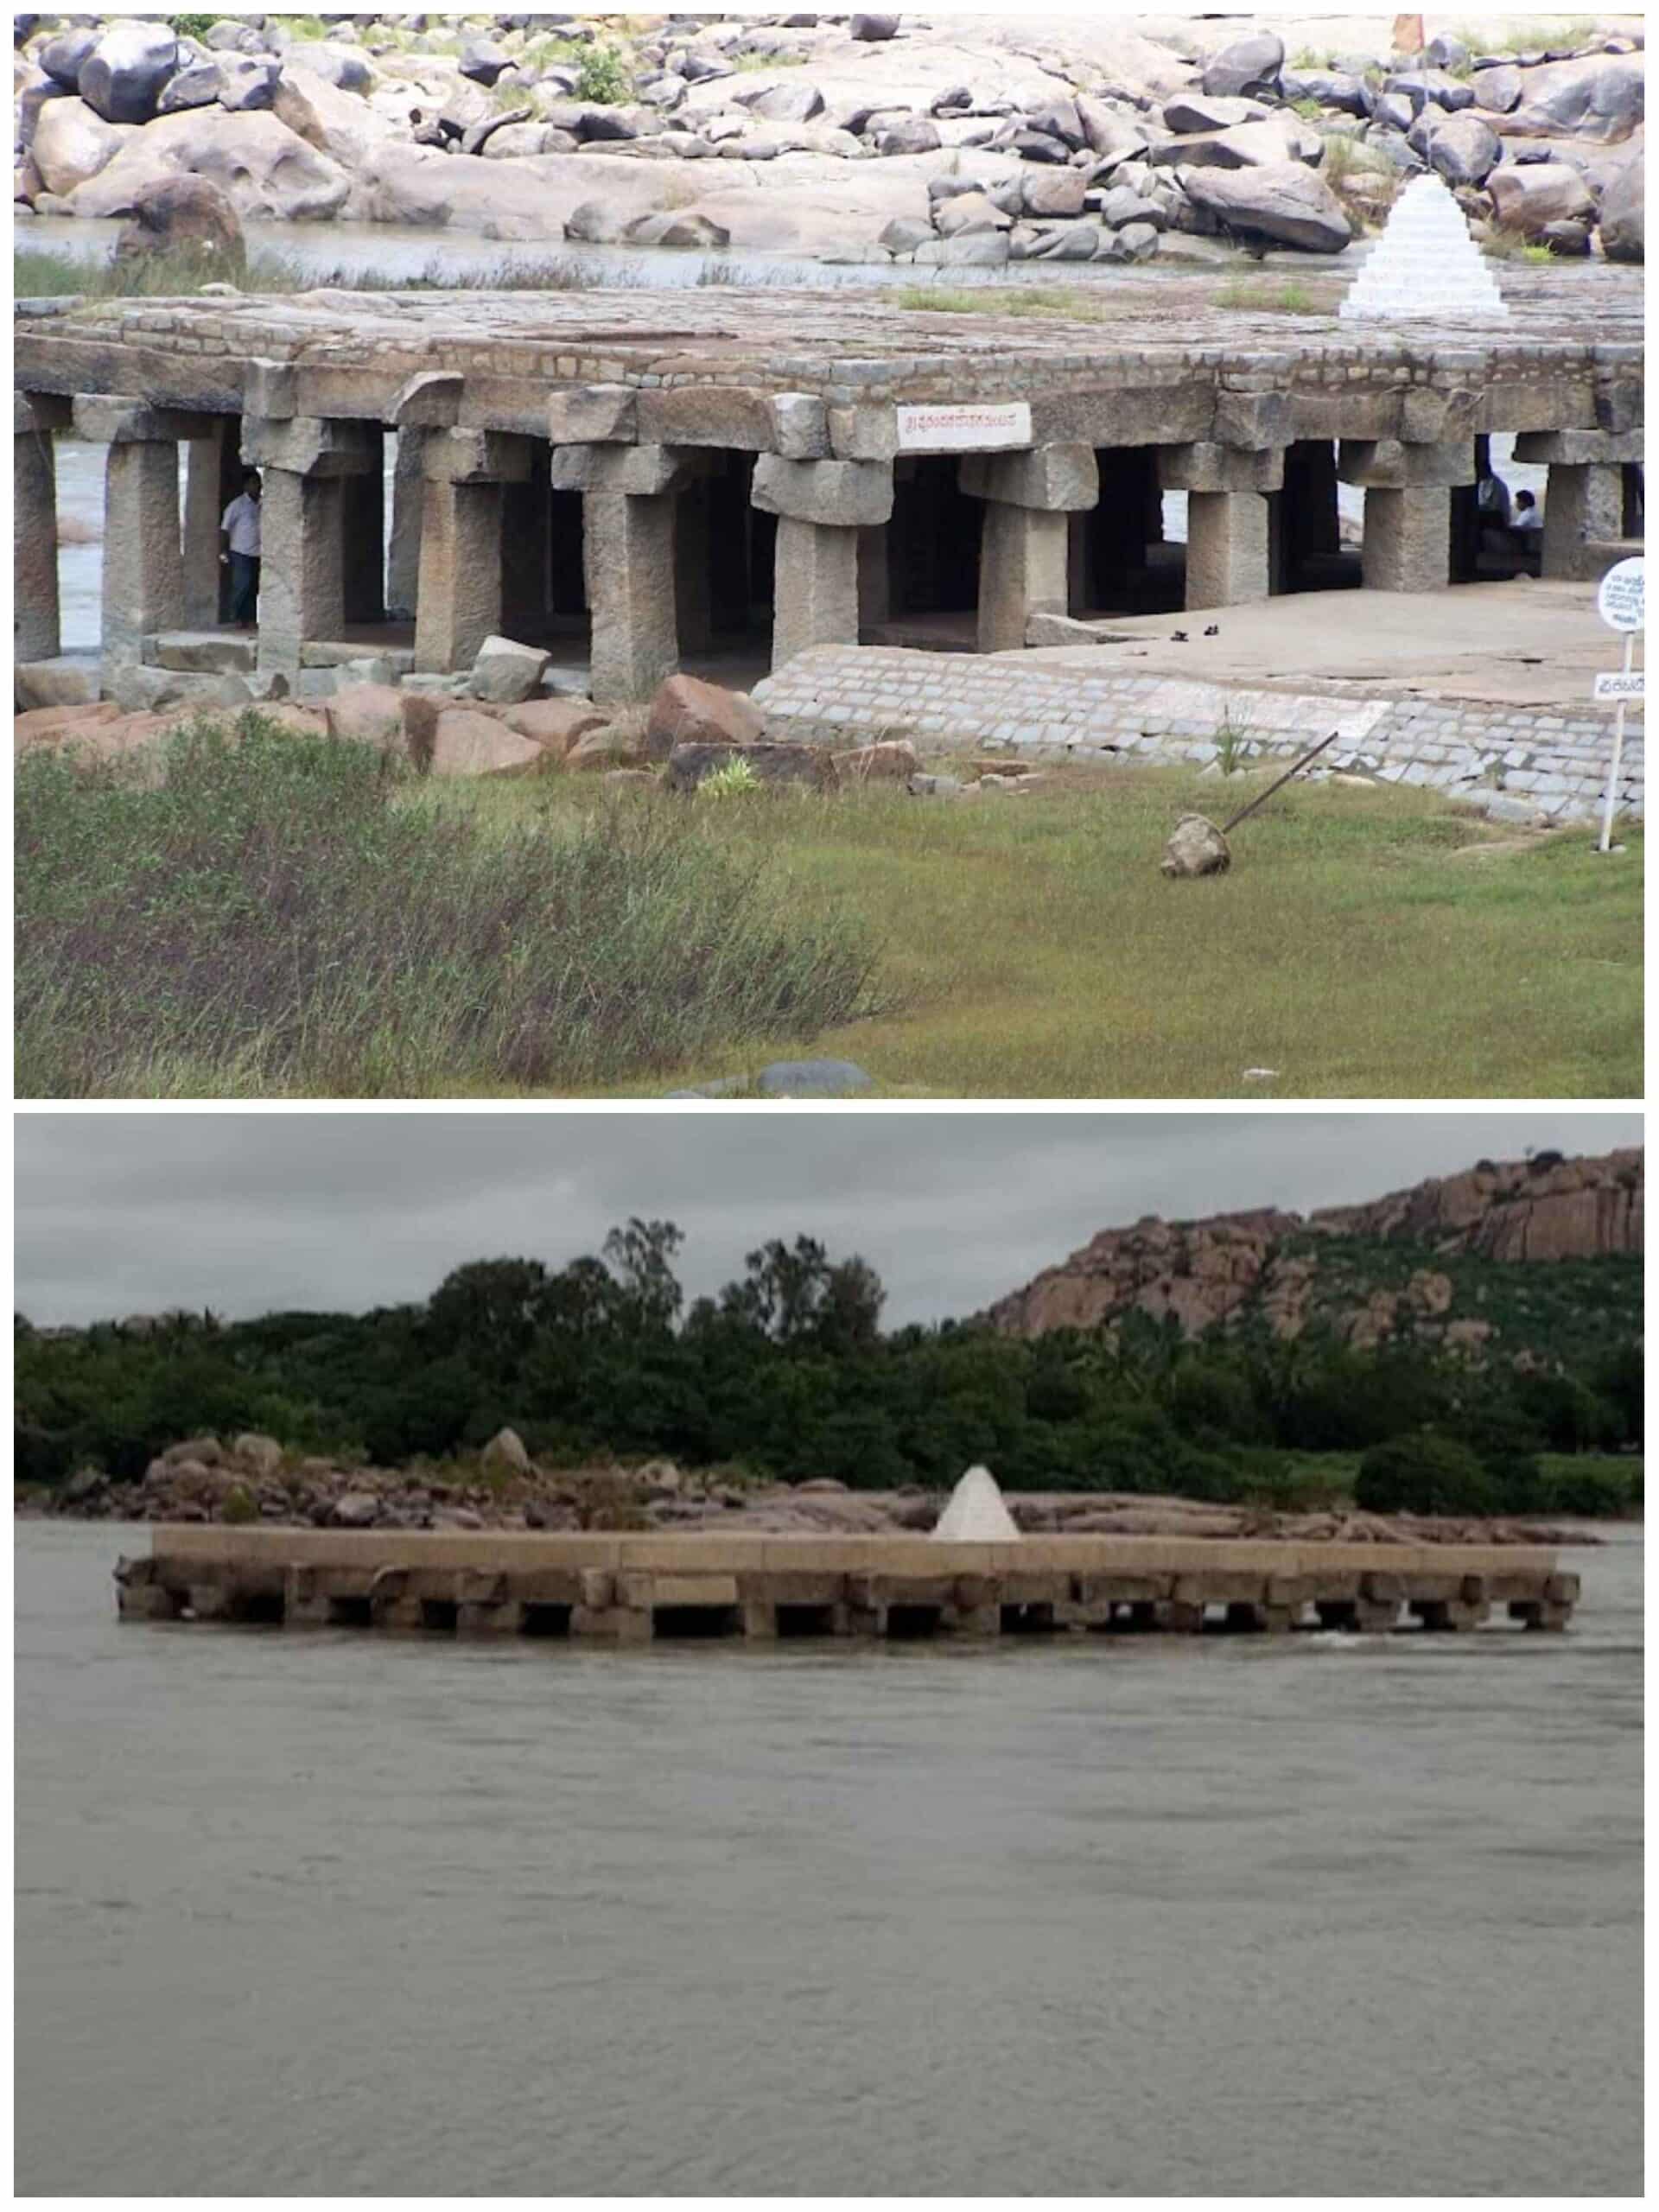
x,y
631,1589
1534,644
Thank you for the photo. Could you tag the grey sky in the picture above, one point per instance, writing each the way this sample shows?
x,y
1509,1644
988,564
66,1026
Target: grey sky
x,y
123,1213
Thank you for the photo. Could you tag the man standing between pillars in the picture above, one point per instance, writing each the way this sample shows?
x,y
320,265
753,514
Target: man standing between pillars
x,y
240,529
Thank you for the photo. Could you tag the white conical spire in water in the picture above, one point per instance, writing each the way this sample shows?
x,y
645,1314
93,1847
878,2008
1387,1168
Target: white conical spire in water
x,y
976,1514
1425,262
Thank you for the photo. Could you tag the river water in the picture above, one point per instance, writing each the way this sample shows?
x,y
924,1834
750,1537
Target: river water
x,y
307,1914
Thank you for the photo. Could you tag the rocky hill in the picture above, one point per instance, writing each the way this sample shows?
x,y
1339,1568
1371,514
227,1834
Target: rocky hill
x,y
957,142
1517,1255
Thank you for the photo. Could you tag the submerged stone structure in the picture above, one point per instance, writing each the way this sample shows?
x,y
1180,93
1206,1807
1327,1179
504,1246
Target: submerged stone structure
x,y
632,1589
660,472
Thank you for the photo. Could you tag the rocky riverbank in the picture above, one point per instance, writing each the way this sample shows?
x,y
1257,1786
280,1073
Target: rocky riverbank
x,y
251,1480
936,144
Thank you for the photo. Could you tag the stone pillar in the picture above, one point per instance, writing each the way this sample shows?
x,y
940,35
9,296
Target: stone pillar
x,y
1407,533
693,568
1025,537
629,553
143,573
1228,522
408,499
816,600
459,599
302,570
629,495
213,479
1226,549
1407,542
35,633
362,523
306,461
874,580
1581,505
822,507
1585,503
1022,572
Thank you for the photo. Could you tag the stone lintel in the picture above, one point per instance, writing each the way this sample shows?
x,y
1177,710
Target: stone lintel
x,y
1206,467
134,421
271,389
40,411
736,417
1580,448
430,401
845,494
1620,405
868,433
474,457
800,425
310,445
594,415
1428,417
1253,419
644,472
1389,465
1055,479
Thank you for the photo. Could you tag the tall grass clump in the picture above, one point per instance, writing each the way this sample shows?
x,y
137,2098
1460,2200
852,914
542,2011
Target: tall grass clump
x,y
249,912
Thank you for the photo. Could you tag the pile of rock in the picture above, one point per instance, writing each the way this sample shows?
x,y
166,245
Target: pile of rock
x,y
494,721
951,144
251,1480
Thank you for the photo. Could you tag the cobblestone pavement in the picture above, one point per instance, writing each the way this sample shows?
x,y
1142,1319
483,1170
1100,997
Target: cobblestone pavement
x,y
1511,763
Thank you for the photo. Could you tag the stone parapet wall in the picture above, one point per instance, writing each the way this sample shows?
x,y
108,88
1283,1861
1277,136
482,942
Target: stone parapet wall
x,y
1510,762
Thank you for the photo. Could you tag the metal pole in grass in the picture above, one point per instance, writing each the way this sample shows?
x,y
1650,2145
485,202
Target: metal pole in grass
x,y
1279,782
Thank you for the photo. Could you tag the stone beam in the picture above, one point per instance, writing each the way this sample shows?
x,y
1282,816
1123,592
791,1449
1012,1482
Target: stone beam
x,y
42,411
594,415
1057,479
134,421
475,457
838,494
430,401
271,389
1252,418
1429,417
1580,448
1203,467
310,445
1389,464
647,472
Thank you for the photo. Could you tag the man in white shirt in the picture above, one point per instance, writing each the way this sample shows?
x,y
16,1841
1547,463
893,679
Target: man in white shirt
x,y
240,530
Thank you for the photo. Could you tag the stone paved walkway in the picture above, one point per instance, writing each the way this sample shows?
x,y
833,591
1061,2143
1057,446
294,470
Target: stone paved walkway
x,y
1510,762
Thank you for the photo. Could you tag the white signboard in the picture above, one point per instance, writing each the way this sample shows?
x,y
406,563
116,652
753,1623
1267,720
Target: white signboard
x,y
1614,684
968,428
1619,601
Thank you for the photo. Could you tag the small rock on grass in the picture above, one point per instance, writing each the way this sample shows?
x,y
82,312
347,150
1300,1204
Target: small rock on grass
x,y
1197,848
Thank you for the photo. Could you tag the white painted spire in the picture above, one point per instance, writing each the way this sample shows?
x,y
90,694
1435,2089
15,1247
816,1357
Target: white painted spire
x,y
976,1514
1425,262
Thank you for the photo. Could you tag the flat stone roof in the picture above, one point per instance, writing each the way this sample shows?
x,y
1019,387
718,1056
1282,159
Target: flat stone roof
x,y
352,353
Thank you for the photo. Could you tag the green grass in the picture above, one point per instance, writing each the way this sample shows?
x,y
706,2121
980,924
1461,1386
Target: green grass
x,y
249,913
1533,35
1289,298
1035,951
40,276
1005,298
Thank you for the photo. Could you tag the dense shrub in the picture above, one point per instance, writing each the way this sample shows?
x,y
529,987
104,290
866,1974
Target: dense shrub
x,y
257,912
1423,1473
